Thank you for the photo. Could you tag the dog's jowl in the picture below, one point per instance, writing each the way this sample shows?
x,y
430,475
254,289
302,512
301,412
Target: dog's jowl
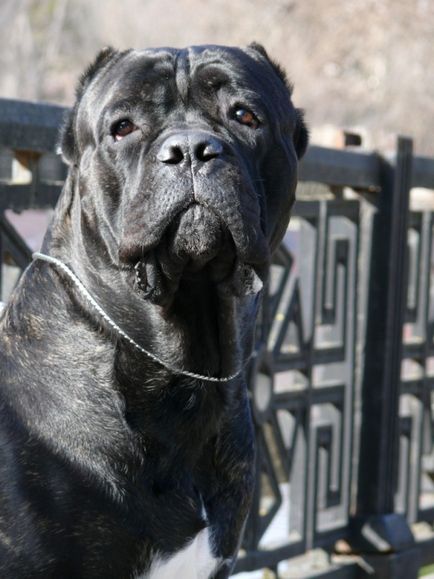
x,y
126,435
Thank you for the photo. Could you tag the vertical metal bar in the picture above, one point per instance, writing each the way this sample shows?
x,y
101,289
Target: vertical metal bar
x,y
310,465
377,531
427,425
380,433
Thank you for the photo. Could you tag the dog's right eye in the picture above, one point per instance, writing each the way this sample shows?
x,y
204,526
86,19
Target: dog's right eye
x,y
122,128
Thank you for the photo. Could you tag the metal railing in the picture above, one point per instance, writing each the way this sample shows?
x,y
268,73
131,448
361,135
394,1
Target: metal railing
x,y
343,388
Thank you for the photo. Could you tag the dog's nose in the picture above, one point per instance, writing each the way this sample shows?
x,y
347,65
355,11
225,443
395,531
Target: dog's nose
x,y
199,147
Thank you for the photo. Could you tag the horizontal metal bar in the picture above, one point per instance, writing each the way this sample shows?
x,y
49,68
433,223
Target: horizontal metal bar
x,y
414,387
291,400
29,126
306,209
298,361
21,197
341,168
427,516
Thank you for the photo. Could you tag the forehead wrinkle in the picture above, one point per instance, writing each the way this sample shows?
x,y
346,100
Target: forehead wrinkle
x,y
141,76
182,74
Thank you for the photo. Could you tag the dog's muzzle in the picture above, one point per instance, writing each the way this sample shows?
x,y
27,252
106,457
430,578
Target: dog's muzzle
x,y
196,245
205,239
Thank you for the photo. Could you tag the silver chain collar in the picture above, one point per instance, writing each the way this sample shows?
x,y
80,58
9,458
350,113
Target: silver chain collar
x,y
91,300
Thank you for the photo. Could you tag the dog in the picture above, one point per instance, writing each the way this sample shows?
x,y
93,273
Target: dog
x,y
127,445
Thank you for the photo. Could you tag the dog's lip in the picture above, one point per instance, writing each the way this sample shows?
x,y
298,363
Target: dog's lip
x,y
251,246
197,244
137,253
236,280
179,257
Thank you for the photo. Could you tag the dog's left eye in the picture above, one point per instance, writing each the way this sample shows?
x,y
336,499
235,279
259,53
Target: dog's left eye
x,y
122,128
246,117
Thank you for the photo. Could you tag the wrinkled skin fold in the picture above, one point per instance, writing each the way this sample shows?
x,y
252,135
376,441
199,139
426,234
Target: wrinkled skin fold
x,y
182,174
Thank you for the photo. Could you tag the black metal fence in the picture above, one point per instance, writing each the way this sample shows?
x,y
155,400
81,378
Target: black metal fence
x,y
343,387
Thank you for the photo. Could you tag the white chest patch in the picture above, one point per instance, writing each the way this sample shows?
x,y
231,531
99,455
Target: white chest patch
x,y
194,561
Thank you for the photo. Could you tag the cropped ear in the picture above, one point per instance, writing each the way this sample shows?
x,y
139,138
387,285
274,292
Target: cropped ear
x,y
67,142
66,137
275,65
301,134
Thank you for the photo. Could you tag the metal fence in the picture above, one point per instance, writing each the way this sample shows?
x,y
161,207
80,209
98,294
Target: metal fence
x,y
343,387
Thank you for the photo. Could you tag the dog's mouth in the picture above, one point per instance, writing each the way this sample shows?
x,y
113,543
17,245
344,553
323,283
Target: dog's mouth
x,y
196,246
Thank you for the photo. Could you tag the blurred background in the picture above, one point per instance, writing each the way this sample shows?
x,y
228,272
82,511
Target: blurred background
x,y
356,64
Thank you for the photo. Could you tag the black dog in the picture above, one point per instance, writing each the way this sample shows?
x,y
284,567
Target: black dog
x,y
115,465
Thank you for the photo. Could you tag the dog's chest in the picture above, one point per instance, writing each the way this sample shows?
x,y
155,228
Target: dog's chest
x,y
194,561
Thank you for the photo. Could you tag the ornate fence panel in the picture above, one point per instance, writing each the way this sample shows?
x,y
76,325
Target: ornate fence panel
x,y
303,385
342,387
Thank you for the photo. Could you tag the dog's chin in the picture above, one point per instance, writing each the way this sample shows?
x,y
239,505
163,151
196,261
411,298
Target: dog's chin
x,y
196,248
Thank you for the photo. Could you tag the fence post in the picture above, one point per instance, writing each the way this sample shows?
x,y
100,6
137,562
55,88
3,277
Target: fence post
x,y
383,537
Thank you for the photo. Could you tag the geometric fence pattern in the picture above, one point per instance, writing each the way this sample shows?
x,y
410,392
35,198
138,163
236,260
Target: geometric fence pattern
x,y
302,391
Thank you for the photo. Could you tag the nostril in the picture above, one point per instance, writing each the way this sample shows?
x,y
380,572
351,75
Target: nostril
x,y
170,154
190,146
208,150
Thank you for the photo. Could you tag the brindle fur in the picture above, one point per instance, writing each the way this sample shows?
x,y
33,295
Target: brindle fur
x,y
107,459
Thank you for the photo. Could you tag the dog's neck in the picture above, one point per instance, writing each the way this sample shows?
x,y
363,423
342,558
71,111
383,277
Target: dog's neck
x,y
200,330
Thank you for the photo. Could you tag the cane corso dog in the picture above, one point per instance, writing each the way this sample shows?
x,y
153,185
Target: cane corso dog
x,y
126,435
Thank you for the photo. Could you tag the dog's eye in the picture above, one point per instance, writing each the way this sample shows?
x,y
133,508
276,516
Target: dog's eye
x,y
246,117
122,128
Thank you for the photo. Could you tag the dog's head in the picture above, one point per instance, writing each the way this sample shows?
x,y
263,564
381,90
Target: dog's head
x,y
185,162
